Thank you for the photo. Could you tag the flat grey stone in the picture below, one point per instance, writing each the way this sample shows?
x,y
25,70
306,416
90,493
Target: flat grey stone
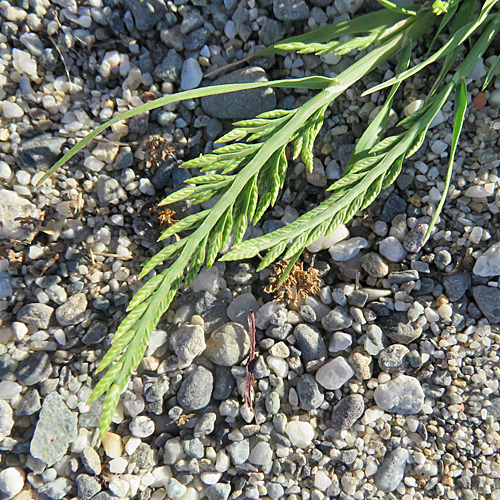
x,y
391,471
242,104
34,369
41,151
196,389
55,430
346,412
73,310
35,314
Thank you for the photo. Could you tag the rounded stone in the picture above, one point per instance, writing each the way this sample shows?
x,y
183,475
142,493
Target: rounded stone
x,y
228,345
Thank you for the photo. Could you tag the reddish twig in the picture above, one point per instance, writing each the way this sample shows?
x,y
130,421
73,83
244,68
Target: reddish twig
x,y
251,360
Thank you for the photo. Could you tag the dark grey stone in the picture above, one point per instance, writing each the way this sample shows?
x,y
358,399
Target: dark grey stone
x,y
87,486
55,430
109,190
224,383
290,10
242,104
41,151
310,395
30,404
394,205
146,12
196,389
307,313
205,425
310,343
414,240
170,69
212,309
357,298
346,412
34,369
219,491
96,332
272,31
398,328
400,277
456,285
488,300
35,314
196,39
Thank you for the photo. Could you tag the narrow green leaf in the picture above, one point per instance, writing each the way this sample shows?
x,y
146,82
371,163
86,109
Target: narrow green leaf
x,y
491,73
396,8
164,254
460,110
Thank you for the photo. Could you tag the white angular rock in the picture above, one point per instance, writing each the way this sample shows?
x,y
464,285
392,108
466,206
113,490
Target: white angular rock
x,y
482,191
300,434
11,110
402,394
346,250
334,374
391,248
261,454
488,264
325,242
13,208
339,342
208,280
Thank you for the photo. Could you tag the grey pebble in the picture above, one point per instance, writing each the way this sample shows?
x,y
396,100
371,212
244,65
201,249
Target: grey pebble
x,y
338,319
87,486
346,412
307,313
6,419
310,343
188,341
41,151
488,300
193,448
272,402
398,328
456,285
394,205
205,424
73,310
34,369
55,430
400,277
224,383
219,491
239,451
291,10
394,358
30,404
109,190
35,314
391,471
242,104
310,395
58,489
146,14
196,389
228,345
91,461
212,309
375,340
414,240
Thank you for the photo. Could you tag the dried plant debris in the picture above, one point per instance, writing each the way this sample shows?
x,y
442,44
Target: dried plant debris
x,y
298,284
157,150
166,217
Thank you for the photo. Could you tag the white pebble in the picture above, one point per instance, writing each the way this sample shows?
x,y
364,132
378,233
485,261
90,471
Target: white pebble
x,y
261,454
300,434
11,481
142,426
325,242
118,465
334,374
339,342
392,249
11,110
191,74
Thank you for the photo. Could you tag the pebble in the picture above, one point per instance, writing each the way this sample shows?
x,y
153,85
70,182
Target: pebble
x,y
228,345
392,249
310,395
191,74
87,486
403,395
188,342
73,310
91,461
196,389
41,151
339,342
243,104
334,374
11,110
456,285
291,10
109,190
346,412
307,313
239,451
375,340
34,369
394,358
488,264
55,430
261,454
142,426
398,328
391,471
326,242
394,205
240,308
300,433
488,300
6,419
13,208
338,319
11,481
347,250
218,491
374,265
310,343
414,240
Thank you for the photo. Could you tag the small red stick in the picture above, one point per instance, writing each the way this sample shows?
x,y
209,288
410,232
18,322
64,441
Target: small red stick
x,y
251,360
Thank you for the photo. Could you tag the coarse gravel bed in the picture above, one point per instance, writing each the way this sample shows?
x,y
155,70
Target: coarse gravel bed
x,y
384,384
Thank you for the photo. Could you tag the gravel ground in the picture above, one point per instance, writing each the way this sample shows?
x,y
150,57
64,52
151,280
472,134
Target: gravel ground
x,y
388,389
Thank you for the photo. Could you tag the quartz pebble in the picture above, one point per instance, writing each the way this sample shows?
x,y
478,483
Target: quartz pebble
x,y
346,250
488,264
403,395
326,242
391,471
300,434
11,481
334,374
392,249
